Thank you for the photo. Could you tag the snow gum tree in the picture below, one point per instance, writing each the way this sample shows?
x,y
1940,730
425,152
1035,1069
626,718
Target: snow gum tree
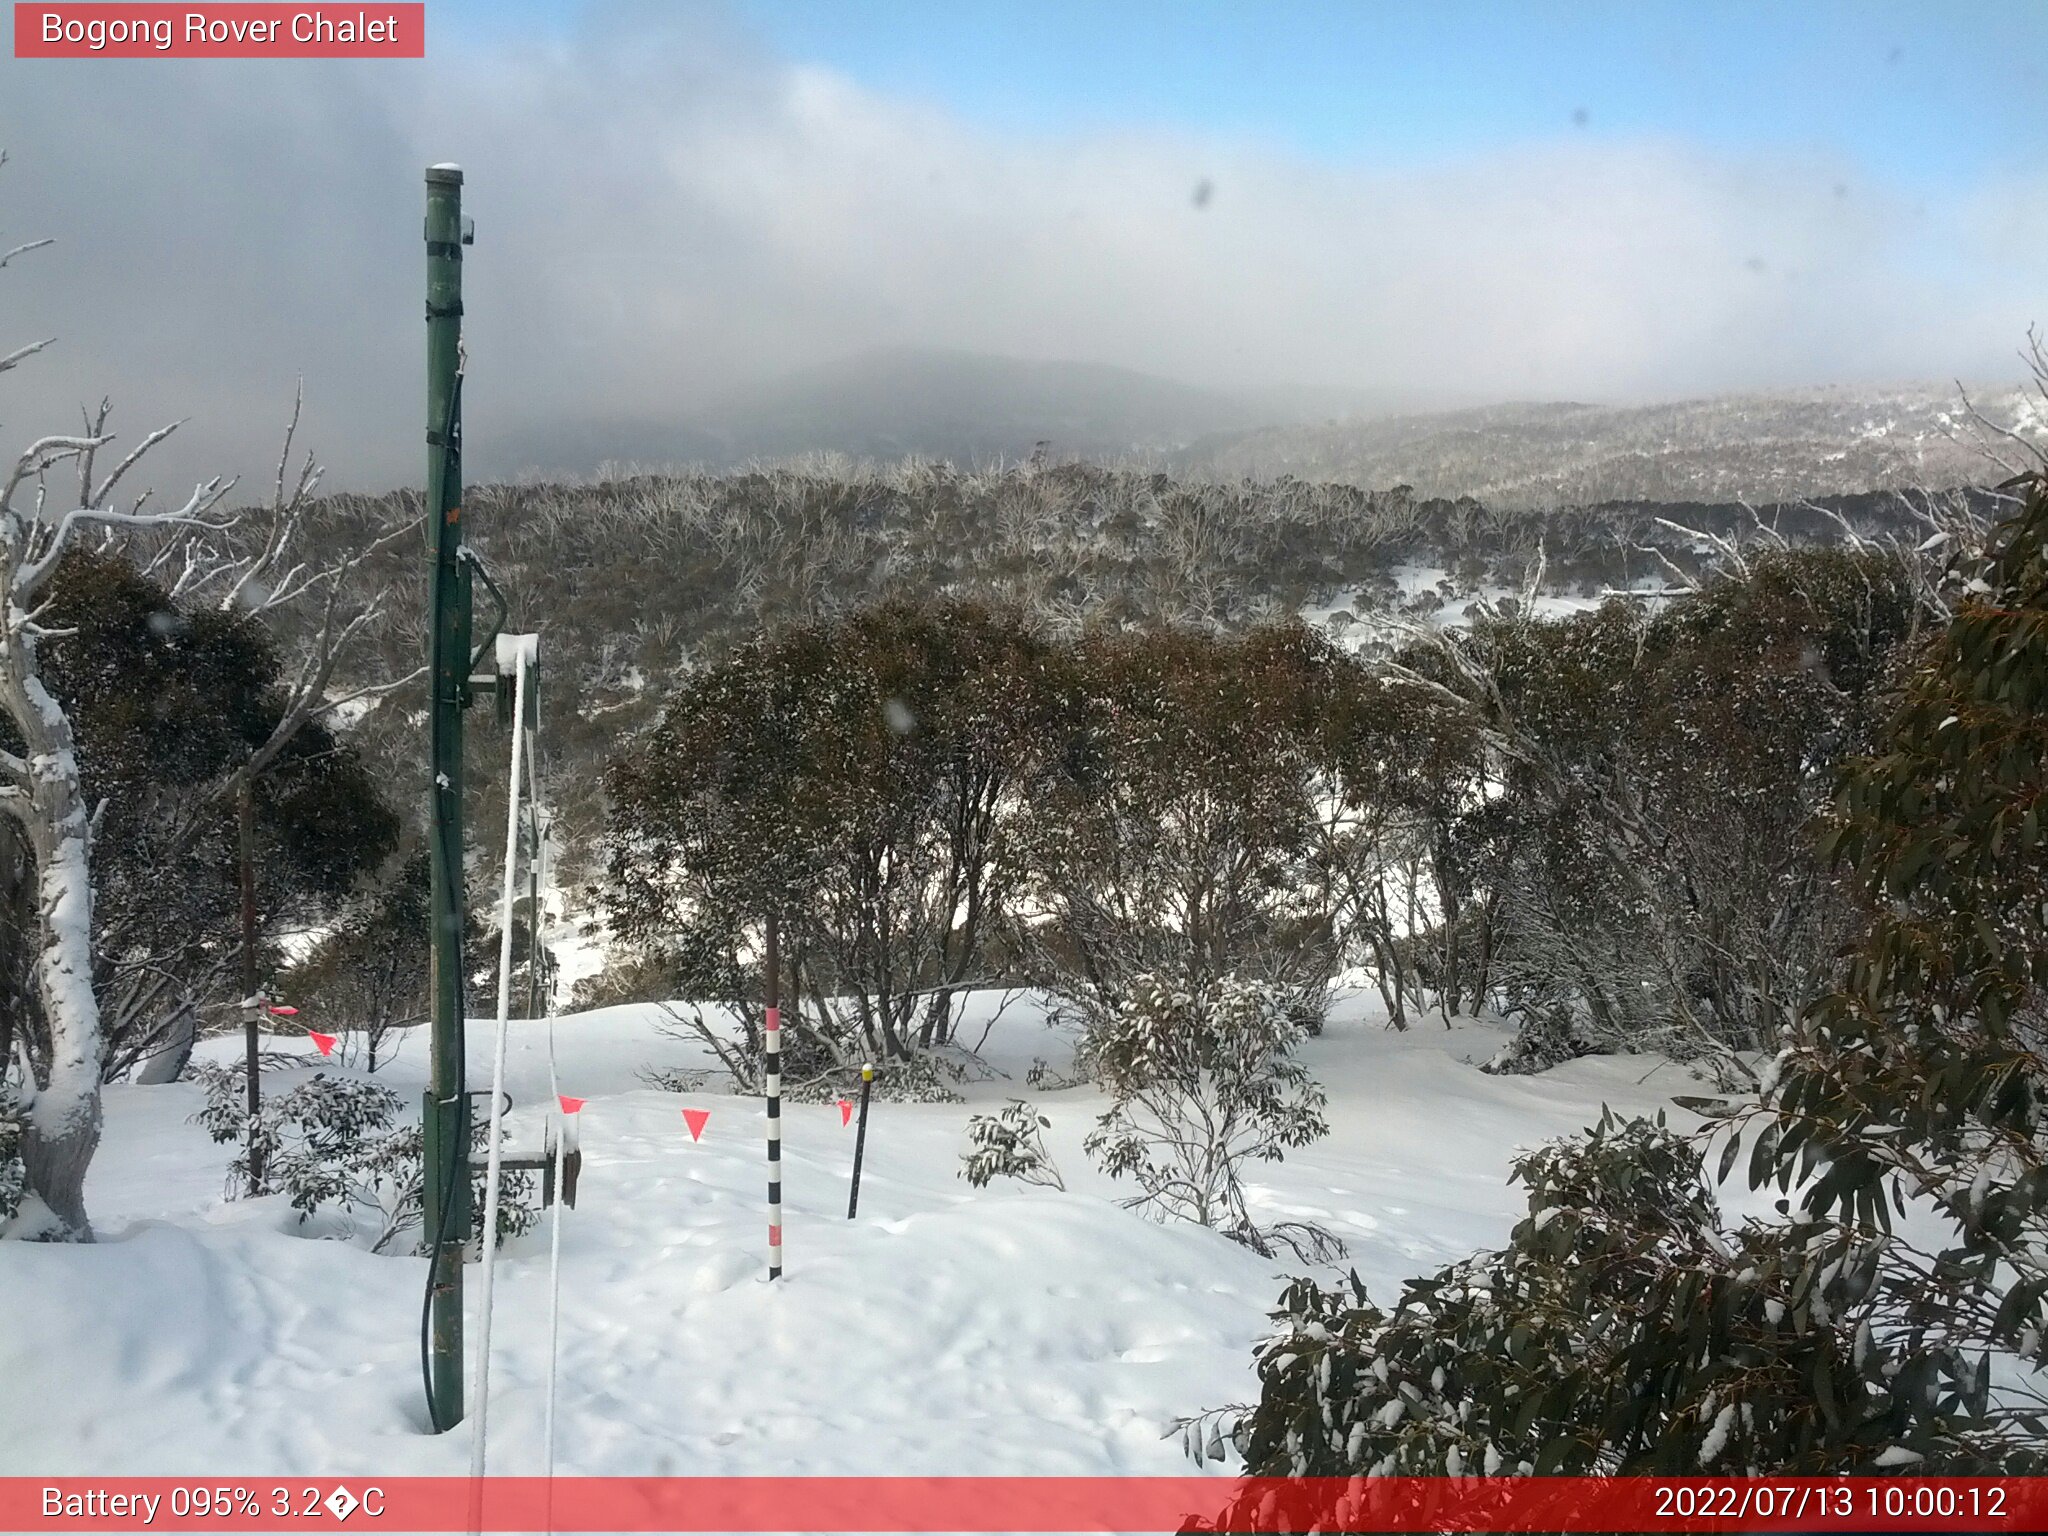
x,y
1176,834
40,790
1646,866
1407,782
1626,1328
166,701
855,778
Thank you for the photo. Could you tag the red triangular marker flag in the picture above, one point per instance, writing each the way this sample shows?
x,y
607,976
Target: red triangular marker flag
x,y
695,1118
326,1043
284,1010
569,1105
845,1110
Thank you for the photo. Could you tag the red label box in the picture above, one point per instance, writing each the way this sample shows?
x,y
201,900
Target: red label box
x,y
1670,1506
104,30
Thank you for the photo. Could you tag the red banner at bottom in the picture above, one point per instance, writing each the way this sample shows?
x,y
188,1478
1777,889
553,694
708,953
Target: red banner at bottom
x,y
1033,1504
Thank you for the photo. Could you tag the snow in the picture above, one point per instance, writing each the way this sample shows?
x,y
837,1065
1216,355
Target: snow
x,y
949,1330
513,649
1358,619
1716,1438
350,712
579,944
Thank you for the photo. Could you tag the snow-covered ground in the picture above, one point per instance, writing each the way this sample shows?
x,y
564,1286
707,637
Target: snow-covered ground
x,y
948,1330
1428,595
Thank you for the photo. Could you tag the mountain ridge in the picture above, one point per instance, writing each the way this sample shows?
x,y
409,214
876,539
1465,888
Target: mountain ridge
x,y
885,405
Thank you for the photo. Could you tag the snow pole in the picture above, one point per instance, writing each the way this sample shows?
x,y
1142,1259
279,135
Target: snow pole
x,y
860,1137
771,1083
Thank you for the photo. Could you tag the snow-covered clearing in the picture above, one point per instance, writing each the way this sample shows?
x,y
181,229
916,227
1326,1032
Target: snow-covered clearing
x,y
948,1330
1429,597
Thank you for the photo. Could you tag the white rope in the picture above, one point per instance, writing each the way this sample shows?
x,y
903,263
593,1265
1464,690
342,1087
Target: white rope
x,y
490,1238
554,1272
562,1123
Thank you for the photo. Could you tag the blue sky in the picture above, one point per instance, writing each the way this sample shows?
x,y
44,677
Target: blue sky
x,y
1920,94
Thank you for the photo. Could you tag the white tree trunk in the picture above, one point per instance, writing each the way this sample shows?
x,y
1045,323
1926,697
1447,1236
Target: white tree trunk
x,y
62,1118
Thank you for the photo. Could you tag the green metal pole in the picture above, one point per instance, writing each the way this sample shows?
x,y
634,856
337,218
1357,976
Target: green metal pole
x,y
444,1129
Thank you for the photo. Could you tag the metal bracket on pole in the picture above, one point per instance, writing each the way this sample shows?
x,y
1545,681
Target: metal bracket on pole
x,y
506,651
487,682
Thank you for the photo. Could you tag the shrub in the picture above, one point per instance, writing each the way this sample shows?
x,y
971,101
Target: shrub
x,y
329,1142
1009,1144
1624,1331
1201,1083
13,1176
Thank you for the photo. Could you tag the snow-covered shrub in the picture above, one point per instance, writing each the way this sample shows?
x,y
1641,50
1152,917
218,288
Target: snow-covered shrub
x,y
926,1078
392,1188
1200,1084
734,1041
13,1177
1547,1037
1624,1330
303,1139
1009,1144
1041,1074
330,1143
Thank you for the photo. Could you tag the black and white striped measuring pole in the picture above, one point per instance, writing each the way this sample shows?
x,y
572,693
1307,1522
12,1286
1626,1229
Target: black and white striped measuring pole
x,y
771,1075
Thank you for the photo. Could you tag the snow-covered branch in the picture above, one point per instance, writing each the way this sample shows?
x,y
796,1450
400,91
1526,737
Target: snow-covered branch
x,y
271,577
15,358
24,248
204,498
39,456
96,496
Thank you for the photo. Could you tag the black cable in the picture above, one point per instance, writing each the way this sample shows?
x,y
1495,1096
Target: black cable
x,y
456,1167
461,1165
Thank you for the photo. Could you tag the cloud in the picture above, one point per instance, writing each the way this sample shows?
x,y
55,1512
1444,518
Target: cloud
x,y
667,213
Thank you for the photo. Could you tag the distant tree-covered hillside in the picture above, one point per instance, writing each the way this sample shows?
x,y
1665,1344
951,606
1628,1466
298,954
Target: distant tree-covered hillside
x,y
635,582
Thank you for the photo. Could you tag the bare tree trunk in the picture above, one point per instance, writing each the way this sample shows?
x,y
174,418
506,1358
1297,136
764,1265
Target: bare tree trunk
x,y
171,1050
1483,983
62,1119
